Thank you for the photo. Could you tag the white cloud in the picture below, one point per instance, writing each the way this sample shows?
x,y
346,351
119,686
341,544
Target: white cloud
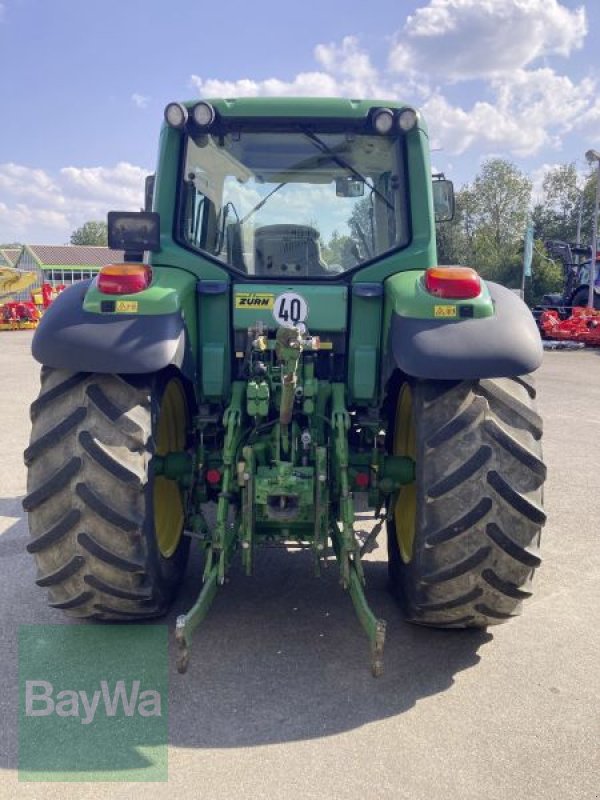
x,y
140,100
21,218
316,84
465,39
587,123
522,109
123,181
531,110
22,181
347,72
43,208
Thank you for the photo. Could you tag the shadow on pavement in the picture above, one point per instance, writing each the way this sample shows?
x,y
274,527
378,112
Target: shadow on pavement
x,y
12,541
282,657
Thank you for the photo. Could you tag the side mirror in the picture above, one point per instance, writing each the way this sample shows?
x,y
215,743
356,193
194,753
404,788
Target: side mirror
x,y
134,231
349,187
443,200
148,192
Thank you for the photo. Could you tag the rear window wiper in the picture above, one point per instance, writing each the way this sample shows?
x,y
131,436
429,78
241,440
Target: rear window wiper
x,y
260,204
341,161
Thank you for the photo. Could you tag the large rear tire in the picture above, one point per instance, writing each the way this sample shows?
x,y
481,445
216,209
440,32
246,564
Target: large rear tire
x,y
107,535
463,539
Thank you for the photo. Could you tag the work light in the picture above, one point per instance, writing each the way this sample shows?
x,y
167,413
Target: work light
x,y
407,119
383,119
203,114
176,115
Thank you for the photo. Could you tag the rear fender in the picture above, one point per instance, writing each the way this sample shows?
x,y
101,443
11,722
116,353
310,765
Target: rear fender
x,y
505,344
71,338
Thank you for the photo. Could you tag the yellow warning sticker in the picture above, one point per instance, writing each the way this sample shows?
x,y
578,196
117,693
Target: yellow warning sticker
x,y
126,306
254,300
445,311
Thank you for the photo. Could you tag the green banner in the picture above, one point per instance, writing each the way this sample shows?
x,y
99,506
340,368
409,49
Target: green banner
x,y
93,702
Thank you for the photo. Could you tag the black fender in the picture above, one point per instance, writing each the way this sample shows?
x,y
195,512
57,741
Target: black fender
x,y
68,337
500,346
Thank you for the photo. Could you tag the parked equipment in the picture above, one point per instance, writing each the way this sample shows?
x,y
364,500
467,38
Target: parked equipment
x,y
576,261
238,381
582,326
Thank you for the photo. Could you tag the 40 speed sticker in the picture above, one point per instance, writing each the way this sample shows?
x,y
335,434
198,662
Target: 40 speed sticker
x,y
290,309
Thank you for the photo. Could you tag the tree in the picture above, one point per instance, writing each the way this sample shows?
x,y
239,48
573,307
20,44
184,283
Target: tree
x,y
93,232
556,216
491,215
340,250
360,223
502,195
455,238
546,276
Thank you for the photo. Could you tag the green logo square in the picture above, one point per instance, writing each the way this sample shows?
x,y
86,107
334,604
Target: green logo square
x,y
93,702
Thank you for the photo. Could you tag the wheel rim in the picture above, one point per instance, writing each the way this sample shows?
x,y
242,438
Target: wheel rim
x,y
405,504
168,500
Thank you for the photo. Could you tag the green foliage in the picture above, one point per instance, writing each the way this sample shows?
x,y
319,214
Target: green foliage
x,y
556,215
93,232
547,276
348,250
340,250
501,197
360,223
491,216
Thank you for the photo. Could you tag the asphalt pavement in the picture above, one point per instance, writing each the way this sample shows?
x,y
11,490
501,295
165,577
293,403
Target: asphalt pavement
x,y
279,702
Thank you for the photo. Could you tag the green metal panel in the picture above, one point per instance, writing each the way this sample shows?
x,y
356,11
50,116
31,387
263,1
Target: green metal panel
x,y
327,305
171,290
421,251
363,372
168,292
298,107
364,350
405,294
214,363
165,194
214,332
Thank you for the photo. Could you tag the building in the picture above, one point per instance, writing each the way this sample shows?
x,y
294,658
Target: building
x,y
64,264
9,256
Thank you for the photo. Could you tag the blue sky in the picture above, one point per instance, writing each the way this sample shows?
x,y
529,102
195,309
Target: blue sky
x,y
83,84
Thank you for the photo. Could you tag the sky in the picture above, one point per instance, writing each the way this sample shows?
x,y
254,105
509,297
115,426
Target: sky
x,y
83,85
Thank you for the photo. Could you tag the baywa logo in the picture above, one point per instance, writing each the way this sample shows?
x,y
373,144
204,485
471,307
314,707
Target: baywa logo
x,y
42,701
93,702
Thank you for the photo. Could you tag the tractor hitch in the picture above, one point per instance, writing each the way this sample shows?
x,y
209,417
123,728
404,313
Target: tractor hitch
x,y
286,478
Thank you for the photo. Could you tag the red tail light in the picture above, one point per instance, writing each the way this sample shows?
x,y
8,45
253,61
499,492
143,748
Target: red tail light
x,y
124,278
213,476
362,479
458,283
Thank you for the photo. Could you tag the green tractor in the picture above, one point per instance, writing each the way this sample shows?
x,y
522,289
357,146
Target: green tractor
x,y
278,344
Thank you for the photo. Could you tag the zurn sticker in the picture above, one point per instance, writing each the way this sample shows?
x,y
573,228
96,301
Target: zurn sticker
x,y
290,309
